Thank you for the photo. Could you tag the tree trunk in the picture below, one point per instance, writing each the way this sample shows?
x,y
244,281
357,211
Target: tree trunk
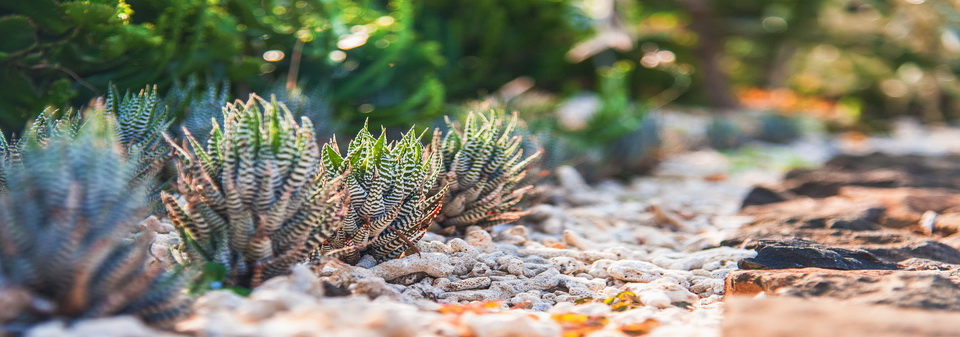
x,y
709,49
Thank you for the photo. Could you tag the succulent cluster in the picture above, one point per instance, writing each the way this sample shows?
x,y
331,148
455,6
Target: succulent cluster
x,y
252,200
64,246
390,187
483,170
255,197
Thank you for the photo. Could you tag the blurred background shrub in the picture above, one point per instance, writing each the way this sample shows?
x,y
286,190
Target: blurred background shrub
x,y
854,63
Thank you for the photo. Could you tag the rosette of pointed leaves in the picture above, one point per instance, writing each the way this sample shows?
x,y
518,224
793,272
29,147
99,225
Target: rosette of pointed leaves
x,y
65,251
483,170
390,200
47,125
253,201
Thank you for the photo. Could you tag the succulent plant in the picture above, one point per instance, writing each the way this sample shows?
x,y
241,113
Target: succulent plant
x,y
483,168
724,134
392,199
253,201
636,152
65,251
140,123
197,106
778,129
51,123
314,103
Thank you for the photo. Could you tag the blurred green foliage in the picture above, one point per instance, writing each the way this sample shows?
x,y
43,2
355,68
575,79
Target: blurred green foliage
x,y
399,62
394,61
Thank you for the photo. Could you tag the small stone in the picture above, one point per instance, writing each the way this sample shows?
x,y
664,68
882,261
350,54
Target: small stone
x,y
634,271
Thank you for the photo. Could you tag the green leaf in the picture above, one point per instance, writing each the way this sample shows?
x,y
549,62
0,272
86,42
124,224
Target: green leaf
x,y
88,14
331,156
19,35
45,13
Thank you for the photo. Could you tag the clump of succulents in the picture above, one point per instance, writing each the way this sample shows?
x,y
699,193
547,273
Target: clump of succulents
x,y
139,122
253,202
65,250
483,171
392,200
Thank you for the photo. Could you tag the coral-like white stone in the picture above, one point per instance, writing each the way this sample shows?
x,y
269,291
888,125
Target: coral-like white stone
x,y
433,264
635,271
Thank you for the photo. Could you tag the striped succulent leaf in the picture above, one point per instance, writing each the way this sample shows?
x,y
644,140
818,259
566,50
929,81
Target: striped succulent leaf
x,y
390,200
483,170
65,251
253,201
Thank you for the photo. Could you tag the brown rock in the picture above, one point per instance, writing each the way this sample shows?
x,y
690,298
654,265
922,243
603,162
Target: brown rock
x,y
827,181
791,317
904,206
947,224
934,290
833,212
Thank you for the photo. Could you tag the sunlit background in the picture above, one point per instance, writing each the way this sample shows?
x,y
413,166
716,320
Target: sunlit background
x,y
854,63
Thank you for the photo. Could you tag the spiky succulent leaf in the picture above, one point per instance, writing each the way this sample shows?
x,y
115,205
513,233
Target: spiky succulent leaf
x,y
64,246
483,169
390,200
253,200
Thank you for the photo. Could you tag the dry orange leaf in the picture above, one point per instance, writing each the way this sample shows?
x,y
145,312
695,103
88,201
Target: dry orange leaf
x,y
641,328
480,307
715,177
577,325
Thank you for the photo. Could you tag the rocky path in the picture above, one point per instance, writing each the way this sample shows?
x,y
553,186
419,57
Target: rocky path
x,y
869,241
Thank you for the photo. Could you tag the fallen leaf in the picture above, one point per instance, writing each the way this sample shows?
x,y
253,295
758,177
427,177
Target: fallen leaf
x,y
479,307
715,177
641,328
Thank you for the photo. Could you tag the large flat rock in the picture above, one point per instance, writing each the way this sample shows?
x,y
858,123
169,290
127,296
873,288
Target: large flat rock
x,y
931,290
793,317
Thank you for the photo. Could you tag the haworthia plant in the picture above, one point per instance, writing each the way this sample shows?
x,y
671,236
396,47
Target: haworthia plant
x,y
141,120
64,246
391,204
483,170
197,105
253,200
49,124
